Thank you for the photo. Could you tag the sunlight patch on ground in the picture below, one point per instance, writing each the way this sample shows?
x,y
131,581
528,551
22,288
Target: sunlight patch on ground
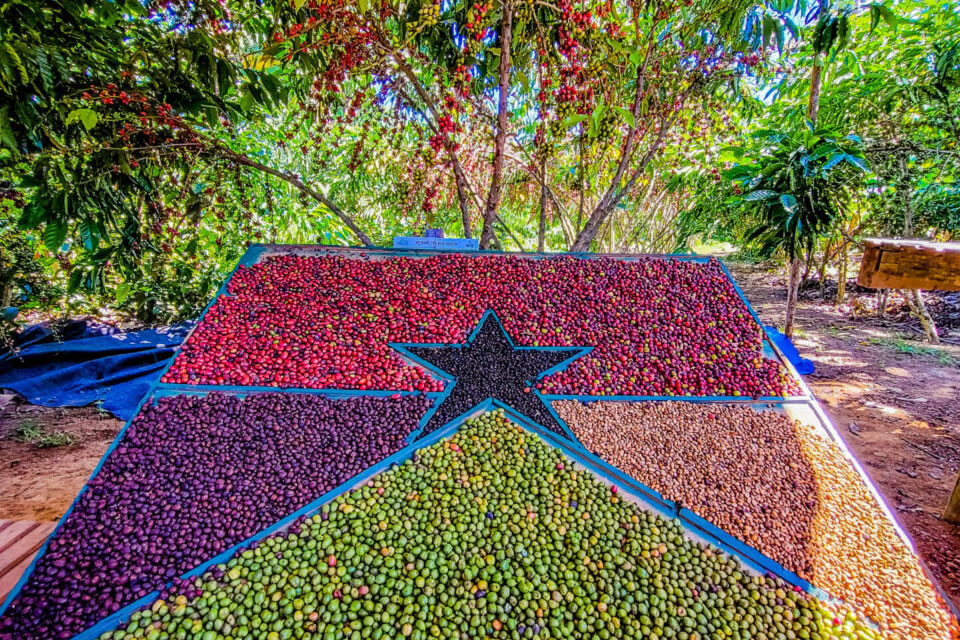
x,y
887,409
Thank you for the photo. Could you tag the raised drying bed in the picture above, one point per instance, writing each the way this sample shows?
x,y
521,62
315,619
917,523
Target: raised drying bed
x,y
338,363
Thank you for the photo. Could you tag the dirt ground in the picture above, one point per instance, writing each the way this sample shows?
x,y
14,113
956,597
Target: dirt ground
x,y
39,483
893,399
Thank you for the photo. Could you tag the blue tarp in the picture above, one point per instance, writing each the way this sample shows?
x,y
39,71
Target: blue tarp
x,y
86,363
802,365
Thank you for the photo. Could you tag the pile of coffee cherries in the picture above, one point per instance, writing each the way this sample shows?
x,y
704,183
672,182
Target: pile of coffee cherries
x,y
660,327
489,534
192,477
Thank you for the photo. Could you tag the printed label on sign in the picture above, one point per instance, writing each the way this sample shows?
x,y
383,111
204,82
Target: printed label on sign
x,y
448,244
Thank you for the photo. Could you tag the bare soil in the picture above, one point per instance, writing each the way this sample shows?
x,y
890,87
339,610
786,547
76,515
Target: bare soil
x,y
39,483
892,397
894,401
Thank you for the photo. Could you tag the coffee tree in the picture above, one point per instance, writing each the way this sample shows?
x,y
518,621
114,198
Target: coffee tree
x,y
149,142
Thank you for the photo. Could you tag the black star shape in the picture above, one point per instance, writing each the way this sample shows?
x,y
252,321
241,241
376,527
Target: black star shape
x,y
490,369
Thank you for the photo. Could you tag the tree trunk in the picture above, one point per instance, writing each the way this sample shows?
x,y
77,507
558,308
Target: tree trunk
x,y
813,100
556,206
842,275
813,108
462,198
568,234
914,298
585,236
510,233
632,228
542,230
809,264
7,295
503,123
882,302
793,284
952,512
614,194
827,252
903,188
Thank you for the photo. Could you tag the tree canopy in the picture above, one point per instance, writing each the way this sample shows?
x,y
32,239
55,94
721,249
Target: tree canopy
x,y
143,144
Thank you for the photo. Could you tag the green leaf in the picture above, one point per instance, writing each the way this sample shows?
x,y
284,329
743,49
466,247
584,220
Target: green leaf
x,y
739,172
768,28
627,115
87,117
6,133
760,194
888,16
675,182
857,161
524,82
595,119
246,100
54,234
89,235
874,17
574,120
74,283
843,33
834,160
363,4
731,154
788,201
43,65
34,213
122,292
791,27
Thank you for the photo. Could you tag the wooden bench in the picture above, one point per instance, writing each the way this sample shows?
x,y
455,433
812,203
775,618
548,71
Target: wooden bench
x,y
910,264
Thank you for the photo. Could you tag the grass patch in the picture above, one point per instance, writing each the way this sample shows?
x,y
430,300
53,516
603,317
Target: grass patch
x,y
837,332
29,432
911,348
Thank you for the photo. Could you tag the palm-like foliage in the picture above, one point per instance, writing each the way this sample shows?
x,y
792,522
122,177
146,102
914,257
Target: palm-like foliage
x,y
797,184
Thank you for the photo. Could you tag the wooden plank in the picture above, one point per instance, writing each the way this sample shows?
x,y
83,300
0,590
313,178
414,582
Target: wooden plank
x,y
909,264
25,547
21,539
9,580
15,532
